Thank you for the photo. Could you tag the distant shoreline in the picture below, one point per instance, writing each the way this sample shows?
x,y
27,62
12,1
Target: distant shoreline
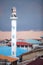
x,y
22,34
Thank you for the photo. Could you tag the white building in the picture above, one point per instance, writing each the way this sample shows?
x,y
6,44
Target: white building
x,y
13,32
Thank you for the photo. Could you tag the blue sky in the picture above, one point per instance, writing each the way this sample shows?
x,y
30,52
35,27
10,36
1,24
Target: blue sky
x,y
29,13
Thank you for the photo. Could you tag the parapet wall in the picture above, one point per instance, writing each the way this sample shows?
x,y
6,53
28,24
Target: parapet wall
x,y
32,54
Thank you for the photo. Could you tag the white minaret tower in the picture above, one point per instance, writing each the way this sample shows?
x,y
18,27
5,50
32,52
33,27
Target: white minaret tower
x,y
13,32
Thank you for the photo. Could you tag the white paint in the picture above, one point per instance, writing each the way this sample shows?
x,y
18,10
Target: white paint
x,y
13,33
13,37
29,48
35,45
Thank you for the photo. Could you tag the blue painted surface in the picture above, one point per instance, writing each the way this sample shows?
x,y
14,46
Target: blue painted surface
x,y
5,50
32,41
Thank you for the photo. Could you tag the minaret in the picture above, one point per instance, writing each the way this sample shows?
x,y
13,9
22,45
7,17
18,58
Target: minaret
x,y
13,32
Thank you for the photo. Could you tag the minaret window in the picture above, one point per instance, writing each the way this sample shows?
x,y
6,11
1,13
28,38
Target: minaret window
x,y
13,27
13,52
14,15
13,36
13,44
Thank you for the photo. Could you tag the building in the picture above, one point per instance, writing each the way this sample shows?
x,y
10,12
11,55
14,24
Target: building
x,y
13,32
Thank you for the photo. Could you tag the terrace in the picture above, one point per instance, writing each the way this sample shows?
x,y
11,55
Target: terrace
x,y
34,57
5,60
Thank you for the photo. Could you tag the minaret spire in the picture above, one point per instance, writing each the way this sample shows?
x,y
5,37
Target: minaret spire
x,y
14,11
13,32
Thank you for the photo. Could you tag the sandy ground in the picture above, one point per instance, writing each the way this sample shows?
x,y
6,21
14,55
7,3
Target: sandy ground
x,y
22,35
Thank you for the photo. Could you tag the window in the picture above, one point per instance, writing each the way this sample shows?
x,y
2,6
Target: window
x,y
13,36
13,44
13,52
18,45
13,27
